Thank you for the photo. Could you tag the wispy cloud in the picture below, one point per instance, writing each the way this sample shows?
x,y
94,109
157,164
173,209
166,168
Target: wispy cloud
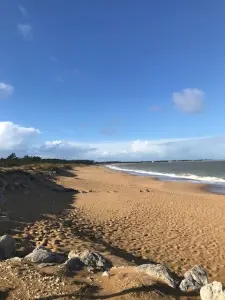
x,y
6,90
25,30
189,100
23,10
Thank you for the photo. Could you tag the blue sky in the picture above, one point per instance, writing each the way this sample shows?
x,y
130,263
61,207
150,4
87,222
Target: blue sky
x,y
103,79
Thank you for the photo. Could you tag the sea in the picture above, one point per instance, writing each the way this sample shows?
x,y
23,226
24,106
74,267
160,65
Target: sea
x,y
209,172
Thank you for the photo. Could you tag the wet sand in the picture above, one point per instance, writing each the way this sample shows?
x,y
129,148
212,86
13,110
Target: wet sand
x,y
177,223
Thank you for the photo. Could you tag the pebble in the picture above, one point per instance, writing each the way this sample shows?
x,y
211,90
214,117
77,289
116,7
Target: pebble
x,y
105,274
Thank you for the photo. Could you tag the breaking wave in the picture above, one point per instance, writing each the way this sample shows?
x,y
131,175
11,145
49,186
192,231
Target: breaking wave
x,y
184,176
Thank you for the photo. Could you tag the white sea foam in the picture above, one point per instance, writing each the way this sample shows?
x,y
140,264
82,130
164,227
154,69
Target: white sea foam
x,y
189,177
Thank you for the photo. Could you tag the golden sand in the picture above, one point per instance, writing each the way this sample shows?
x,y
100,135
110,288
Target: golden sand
x,y
180,224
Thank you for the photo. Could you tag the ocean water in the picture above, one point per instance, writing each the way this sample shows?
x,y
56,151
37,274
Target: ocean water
x,y
209,172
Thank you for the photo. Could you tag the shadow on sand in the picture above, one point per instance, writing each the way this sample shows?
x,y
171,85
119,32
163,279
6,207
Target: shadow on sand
x,y
91,292
31,197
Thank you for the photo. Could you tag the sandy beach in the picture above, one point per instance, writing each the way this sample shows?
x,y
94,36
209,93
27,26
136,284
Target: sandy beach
x,y
129,219
179,224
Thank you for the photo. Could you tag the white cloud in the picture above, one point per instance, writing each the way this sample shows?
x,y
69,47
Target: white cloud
x,y
189,148
192,148
25,30
15,138
64,149
189,100
23,10
6,90
24,140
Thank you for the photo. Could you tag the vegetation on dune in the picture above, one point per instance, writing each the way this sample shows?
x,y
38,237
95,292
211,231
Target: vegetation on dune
x,y
12,160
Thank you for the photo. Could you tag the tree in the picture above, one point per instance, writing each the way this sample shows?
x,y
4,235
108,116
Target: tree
x,y
12,156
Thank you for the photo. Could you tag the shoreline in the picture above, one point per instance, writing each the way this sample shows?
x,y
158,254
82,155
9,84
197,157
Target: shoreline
x,y
213,188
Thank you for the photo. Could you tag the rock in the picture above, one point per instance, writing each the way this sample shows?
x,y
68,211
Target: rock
x,y
73,254
194,279
92,260
74,264
44,255
7,247
24,250
160,272
212,291
15,260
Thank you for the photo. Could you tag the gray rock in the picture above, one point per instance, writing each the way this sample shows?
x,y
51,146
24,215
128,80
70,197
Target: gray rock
x,y
44,255
74,264
15,260
213,291
160,272
92,260
7,247
194,279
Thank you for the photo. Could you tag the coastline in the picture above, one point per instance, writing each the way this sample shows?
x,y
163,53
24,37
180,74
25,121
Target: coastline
x,y
180,224
214,188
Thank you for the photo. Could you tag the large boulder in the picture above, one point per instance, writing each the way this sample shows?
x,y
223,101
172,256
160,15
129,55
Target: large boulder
x,y
159,272
194,279
43,255
7,247
92,260
213,291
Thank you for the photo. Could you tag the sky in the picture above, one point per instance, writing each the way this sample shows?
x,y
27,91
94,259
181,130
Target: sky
x,y
112,80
